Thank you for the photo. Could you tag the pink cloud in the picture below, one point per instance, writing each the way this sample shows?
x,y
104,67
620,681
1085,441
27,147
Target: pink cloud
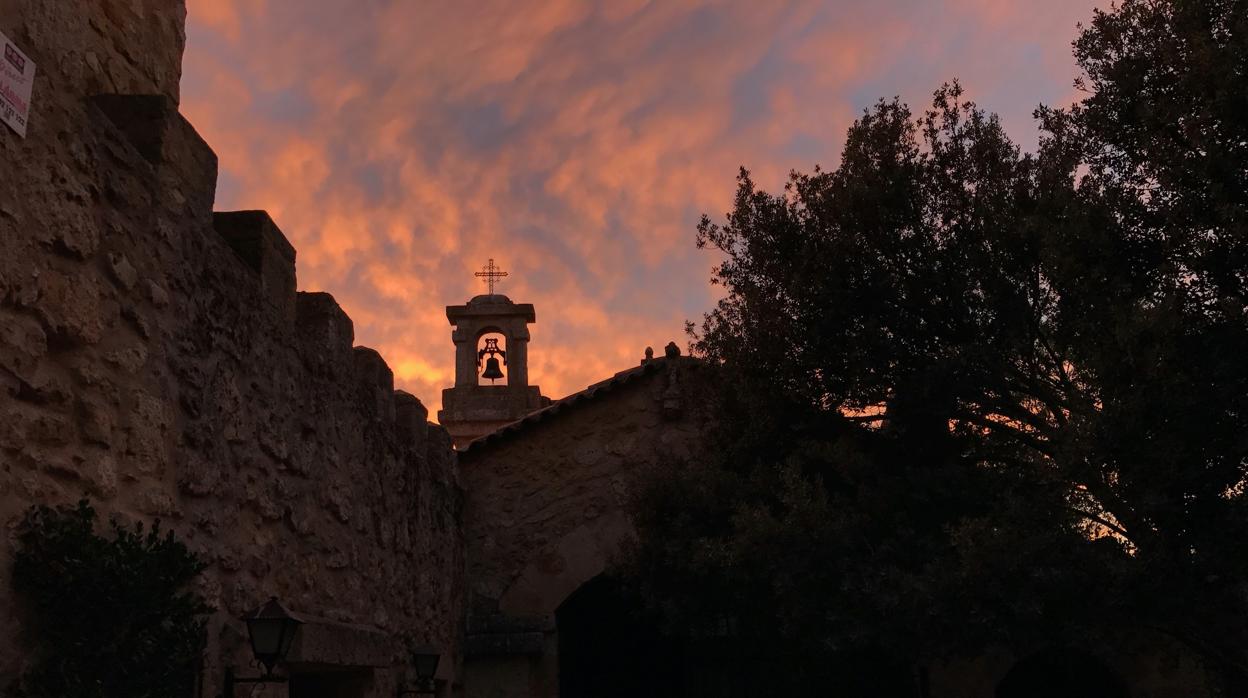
x,y
400,144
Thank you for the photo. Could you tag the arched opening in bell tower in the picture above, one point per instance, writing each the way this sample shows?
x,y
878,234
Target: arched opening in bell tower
x,y
492,364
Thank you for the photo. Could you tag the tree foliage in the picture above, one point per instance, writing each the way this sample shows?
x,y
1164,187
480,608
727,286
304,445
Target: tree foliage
x,y
107,617
975,396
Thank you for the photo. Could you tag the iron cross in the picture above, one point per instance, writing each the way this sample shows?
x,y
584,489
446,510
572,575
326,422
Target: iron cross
x,y
490,273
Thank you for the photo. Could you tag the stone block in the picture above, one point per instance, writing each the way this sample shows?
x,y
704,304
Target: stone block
x,y
45,386
260,243
151,410
159,28
129,358
375,383
158,295
122,271
22,343
157,503
97,420
439,451
30,425
411,420
103,477
198,476
324,331
71,227
186,167
69,307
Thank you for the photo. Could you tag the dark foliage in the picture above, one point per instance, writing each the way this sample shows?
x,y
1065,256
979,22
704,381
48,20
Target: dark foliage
x,y
107,617
975,397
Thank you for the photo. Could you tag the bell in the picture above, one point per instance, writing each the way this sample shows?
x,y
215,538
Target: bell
x,y
492,371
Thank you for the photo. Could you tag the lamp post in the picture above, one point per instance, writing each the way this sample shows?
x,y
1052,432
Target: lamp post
x,y
271,629
425,659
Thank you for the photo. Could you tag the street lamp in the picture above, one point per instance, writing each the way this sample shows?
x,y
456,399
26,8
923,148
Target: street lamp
x,y
271,629
425,659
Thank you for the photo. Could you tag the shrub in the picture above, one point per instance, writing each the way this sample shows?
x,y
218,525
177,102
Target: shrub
x,y
106,617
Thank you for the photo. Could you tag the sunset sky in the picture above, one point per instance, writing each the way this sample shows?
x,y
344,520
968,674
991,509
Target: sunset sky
x,y
400,143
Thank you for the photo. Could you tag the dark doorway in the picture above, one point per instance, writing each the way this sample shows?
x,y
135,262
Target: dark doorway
x,y
607,648
331,684
1061,672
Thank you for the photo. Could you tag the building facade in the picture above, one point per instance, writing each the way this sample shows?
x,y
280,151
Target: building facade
x,y
158,359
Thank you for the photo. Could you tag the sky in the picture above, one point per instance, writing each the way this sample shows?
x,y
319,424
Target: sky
x,y
400,144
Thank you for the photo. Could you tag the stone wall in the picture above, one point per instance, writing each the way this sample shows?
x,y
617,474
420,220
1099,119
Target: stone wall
x,y
547,511
158,360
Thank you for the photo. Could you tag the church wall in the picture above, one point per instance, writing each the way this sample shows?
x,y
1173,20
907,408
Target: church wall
x,y
158,361
569,473
546,511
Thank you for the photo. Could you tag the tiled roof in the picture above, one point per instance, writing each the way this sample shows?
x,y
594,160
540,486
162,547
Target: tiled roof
x,y
570,402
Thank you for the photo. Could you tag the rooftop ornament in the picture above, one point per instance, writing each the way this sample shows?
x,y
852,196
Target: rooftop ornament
x,y
490,274
271,629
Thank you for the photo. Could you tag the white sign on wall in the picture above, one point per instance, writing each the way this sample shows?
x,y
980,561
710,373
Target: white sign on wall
x,y
17,77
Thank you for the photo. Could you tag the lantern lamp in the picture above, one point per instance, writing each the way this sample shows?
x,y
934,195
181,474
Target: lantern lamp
x,y
425,661
271,629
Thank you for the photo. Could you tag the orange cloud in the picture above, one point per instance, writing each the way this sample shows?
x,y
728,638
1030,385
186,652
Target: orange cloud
x,y
401,144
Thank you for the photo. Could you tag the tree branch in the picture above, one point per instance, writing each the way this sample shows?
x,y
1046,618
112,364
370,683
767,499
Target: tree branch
x,y
1030,441
1103,522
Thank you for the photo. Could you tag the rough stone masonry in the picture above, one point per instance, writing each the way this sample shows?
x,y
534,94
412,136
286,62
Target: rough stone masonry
x,y
157,358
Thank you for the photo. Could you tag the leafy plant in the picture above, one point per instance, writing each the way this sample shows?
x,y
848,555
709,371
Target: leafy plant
x,y
108,617
976,397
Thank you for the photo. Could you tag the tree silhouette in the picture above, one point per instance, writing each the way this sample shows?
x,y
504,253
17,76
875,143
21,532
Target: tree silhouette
x,y
974,396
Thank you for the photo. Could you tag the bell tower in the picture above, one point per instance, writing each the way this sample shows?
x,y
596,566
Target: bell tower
x,y
491,381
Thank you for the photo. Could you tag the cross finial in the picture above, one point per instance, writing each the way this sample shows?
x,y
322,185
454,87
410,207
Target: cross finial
x,y
490,273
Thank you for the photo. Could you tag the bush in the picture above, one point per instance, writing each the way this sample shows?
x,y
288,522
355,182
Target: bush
x,y
106,617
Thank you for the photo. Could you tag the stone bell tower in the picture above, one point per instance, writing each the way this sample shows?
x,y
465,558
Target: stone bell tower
x,y
475,407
